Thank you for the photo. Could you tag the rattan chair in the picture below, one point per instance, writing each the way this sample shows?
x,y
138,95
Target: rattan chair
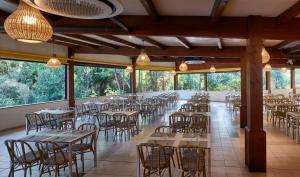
x,y
199,123
54,157
33,122
154,159
191,160
22,156
179,122
122,124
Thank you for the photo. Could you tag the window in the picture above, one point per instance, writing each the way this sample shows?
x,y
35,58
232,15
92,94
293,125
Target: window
x,y
280,80
191,81
230,81
93,81
297,77
23,82
153,80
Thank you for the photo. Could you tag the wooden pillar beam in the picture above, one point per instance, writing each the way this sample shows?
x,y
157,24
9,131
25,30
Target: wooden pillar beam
x,y
293,79
175,77
255,136
133,77
205,82
268,81
243,112
70,88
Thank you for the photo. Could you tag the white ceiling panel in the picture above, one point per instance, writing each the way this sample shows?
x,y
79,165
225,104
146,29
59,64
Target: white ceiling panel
x,y
133,7
166,40
234,42
103,39
271,43
198,41
269,8
134,40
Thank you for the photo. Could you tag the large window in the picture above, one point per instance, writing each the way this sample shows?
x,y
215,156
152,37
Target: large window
x,y
23,82
191,81
230,81
98,81
280,80
297,77
154,80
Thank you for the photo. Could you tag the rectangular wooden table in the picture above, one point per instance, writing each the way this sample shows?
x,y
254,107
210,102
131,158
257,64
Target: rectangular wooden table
x,y
69,137
296,116
176,140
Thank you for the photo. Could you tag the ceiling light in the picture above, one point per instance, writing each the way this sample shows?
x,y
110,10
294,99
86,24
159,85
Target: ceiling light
x,y
265,56
268,67
83,9
129,69
53,62
174,73
27,24
183,66
143,59
212,69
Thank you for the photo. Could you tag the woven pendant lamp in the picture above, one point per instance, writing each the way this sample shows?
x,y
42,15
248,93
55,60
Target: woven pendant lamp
x,y
27,24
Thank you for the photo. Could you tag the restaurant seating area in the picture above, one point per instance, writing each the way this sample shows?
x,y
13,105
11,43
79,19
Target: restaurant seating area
x,y
149,88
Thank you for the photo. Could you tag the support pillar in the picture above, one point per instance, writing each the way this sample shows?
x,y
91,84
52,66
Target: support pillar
x,y
293,80
70,79
175,77
133,78
205,82
255,136
268,81
243,111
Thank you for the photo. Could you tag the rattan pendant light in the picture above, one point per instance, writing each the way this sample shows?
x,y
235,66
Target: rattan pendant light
x,y
53,62
27,24
265,56
143,59
183,66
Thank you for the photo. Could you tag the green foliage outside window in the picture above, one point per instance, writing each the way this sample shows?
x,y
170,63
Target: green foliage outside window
x,y
99,81
191,81
280,80
23,82
230,81
153,80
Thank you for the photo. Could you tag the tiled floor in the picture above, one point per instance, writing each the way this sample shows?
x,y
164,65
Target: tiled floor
x,y
118,159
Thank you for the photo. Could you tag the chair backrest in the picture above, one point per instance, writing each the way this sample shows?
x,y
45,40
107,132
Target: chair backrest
x,y
191,158
18,151
33,119
152,155
164,129
199,123
202,108
51,152
188,107
103,118
178,117
120,118
133,107
88,127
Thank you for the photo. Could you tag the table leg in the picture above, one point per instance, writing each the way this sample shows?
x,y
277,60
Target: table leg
x,y
95,149
70,160
209,162
138,163
297,130
286,124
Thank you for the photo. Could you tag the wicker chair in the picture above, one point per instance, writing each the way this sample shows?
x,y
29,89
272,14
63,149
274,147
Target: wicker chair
x,y
179,122
191,160
54,157
121,124
33,122
154,159
22,156
188,107
86,145
199,123
105,122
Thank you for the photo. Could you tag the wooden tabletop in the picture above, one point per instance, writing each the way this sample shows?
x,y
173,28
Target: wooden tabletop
x,y
127,113
54,111
189,114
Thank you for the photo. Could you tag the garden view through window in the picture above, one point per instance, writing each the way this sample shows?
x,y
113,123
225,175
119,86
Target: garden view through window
x,y
148,80
23,82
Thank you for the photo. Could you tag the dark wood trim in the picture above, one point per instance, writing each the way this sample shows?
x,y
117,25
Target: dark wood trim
x,y
243,110
150,8
119,23
70,79
293,79
282,44
217,10
175,78
205,82
153,42
122,41
290,13
133,77
183,41
268,81
72,41
92,40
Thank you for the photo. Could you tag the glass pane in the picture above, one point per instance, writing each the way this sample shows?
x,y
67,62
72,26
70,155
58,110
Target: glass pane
x,y
193,81
23,82
99,81
230,81
297,77
280,80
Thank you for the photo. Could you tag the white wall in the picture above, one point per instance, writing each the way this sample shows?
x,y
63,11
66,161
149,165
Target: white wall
x,y
214,96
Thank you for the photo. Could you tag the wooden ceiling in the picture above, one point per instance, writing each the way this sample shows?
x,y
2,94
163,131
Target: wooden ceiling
x,y
172,30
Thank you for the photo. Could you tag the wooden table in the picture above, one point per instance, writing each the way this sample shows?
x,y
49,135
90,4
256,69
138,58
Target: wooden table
x,y
296,116
54,111
175,141
69,137
189,114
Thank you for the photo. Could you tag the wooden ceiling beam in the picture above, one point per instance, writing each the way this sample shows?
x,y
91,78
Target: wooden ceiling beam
x,y
150,8
72,41
122,41
95,41
293,49
290,13
282,44
218,9
153,42
61,43
183,41
119,23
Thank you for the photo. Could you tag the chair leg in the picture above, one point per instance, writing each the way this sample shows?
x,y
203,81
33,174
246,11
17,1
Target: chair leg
x,y
11,171
82,161
76,168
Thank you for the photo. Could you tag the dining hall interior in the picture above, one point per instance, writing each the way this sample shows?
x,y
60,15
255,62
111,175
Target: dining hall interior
x,y
123,88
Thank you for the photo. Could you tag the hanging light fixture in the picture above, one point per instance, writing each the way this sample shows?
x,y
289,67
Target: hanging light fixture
x,y
82,9
183,66
53,62
27,24
174,73
129,69
284,70
212,69
143,59
265,56
268,67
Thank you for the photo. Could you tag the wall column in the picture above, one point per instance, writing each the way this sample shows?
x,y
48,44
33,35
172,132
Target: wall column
x,y
268,81
70,79
133,77
205,82
243,111
293,79
255,136
175,77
